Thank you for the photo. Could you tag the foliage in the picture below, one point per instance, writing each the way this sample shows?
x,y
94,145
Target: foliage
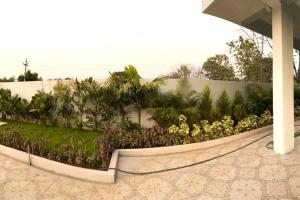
x,y
249,123
297,95
80,98
192,114
181,131
251,65
164,117
217,129
204,103
5,96
166,100
297,111
4,79
218,68
182,72
75,147
129,85
65,106
41,104
259,99
239,109
223,104
30,76
265,119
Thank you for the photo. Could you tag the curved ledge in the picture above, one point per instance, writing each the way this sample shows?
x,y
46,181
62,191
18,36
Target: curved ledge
x,y
190,147
110,175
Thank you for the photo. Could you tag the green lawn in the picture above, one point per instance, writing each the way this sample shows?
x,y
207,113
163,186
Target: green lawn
x,y
57,136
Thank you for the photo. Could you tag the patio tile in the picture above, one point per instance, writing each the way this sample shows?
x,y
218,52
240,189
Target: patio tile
x,y
272,172
246,190
276,189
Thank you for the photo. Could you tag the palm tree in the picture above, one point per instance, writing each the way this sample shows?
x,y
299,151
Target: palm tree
x,y
138,92
80,97
101,103
24,109
14,108
64,105
42,104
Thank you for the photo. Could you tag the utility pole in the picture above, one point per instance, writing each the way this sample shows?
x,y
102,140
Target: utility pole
x,y
26,64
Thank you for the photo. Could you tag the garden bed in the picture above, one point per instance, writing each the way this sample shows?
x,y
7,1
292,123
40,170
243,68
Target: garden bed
x,y
109,176
71,146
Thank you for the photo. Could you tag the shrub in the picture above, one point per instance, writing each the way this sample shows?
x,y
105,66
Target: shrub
x,y
66,153
164,117
127,125
167,100
181,131
247,124
297,96
238,107
218,128
265,119
223,104
192,114
227,123
204,103
297,111
259,99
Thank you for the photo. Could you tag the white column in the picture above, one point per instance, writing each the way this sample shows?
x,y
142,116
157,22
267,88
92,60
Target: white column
x,y
283,83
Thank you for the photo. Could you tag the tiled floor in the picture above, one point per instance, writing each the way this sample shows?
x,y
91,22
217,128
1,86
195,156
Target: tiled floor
x,y
252,173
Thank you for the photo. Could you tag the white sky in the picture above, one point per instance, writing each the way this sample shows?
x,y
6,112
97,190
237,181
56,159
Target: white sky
x,y
80,38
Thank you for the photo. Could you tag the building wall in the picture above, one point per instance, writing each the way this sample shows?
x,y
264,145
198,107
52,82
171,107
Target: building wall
x,y
28,89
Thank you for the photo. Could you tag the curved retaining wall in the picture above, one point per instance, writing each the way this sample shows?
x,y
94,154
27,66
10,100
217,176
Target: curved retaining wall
x,y
110,175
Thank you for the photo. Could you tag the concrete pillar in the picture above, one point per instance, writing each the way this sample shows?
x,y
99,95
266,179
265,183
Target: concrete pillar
x,y
283,83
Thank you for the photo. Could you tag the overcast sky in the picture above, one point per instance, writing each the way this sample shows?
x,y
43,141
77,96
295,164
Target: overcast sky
x,y
80,38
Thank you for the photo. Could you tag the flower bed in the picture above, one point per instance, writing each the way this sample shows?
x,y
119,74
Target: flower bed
x,y
118,138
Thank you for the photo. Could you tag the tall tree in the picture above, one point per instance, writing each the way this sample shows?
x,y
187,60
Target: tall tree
x,y
65,106
80,97
183,71
218,67
41,104
249,61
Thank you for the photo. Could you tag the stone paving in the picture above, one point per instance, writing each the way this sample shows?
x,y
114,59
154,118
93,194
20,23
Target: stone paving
x,y
251,173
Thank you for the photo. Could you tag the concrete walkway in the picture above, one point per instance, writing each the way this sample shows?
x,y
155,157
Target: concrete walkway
x,y
252,173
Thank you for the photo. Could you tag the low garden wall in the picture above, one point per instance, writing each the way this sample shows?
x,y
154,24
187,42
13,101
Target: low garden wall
x,y
110,175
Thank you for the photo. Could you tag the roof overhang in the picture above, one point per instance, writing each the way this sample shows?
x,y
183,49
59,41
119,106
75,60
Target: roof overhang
x,y
255,15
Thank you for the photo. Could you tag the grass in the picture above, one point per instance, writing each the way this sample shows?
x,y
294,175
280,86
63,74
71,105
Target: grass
x,y
57,136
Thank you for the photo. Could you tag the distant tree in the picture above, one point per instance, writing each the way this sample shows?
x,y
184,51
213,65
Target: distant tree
x,y
184,71
187,72
30,76
218,67
4,79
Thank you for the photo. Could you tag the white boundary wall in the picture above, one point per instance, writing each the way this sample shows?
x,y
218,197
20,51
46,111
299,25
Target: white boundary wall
x,y
28,89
